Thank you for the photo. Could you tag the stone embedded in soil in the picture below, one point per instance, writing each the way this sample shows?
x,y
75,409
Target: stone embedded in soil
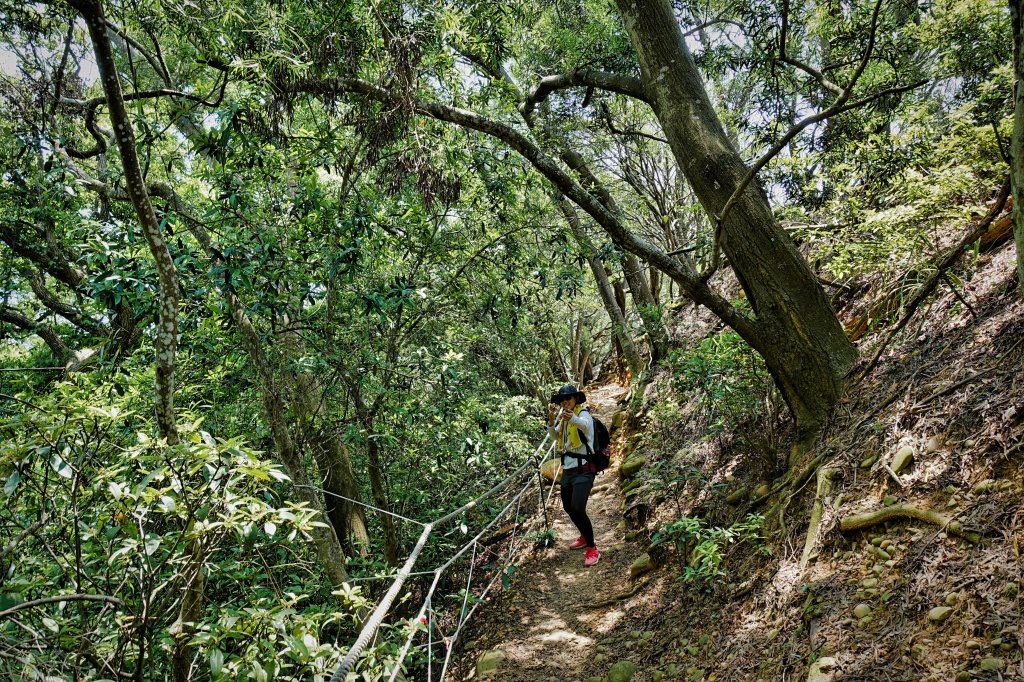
x,y
951,599
657,676
991,664
489,662
736,496
933,444
861,610
761,490
622,671
618,418
890,500
940,613
903,458
869,582
642,564
821,670
869,462
984,486
632,465
963,676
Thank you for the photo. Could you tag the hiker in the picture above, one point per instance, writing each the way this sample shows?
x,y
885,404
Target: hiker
x,y
575,424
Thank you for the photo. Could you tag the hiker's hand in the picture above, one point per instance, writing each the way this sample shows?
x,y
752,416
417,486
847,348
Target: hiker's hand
x,y
552,409
566,414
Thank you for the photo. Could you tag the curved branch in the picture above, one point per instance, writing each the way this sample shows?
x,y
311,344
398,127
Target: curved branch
x,y
837,107
612,82
48,335
688,281
49,299
59,598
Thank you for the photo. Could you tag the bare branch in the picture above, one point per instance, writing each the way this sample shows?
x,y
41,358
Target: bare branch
x,y
837,107
629,133
47,334
602,80
59,598
22,535
947,261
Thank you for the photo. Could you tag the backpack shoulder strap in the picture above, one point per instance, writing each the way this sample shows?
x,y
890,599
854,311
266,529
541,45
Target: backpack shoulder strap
x,y
583,436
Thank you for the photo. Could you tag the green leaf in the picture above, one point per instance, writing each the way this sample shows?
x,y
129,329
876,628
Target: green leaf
x,y
152,543
60,466
216,663
12,483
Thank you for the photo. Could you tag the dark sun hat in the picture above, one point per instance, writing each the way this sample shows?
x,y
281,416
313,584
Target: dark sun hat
x,y
566,392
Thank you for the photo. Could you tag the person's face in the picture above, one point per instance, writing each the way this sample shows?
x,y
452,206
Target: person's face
x,y
569,404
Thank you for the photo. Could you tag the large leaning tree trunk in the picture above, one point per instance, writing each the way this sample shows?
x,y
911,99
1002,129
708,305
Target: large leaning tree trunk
x,y
1017,142
804,346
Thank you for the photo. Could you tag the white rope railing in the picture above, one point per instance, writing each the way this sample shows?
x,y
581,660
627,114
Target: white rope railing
x,y
373,623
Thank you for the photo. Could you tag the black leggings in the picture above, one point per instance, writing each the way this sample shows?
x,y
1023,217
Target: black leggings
x,y
575,490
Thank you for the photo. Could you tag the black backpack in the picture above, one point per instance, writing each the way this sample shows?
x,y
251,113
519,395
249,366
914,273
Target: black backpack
x,y
600,454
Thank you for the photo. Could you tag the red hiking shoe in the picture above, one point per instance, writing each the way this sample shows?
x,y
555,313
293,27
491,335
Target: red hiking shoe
x,y
578,543
592,557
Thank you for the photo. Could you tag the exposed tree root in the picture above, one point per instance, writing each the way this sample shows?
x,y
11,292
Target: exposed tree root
x,y
905,511
622,595
825,476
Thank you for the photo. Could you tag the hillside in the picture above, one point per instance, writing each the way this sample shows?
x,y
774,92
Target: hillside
x,y
900,599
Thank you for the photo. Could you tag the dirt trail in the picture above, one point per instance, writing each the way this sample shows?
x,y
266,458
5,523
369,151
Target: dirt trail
x,y
544,623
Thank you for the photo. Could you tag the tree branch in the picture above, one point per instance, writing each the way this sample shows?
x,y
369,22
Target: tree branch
x,y
947,261
613,82
694,288
51,301
48,335
24,534
837,107
59,598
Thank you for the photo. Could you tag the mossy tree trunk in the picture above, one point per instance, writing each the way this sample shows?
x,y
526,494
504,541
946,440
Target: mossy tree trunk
x,y
1017,141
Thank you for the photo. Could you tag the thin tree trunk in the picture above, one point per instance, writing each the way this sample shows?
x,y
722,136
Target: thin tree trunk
x,y
379,492
796,329
1017,140
634,272
325,540
646,304
620,330
166,338
375,471
335,466
166,344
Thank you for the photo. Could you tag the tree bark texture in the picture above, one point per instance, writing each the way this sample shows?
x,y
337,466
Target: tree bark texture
x,y
166,344
1017,140
380,496
796,329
